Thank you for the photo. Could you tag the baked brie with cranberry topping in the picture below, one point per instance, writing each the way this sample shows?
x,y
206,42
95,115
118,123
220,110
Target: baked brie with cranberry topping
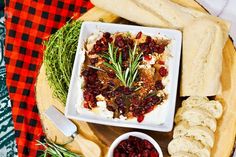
x,y
125,75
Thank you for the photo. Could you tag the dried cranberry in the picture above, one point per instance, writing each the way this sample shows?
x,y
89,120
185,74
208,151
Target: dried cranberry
x,y
135,101
160,49
149,109
147,144
132,154
148,39
154,153
99,43
123,144
161,62
86,105
85,73
110,40
159,85
116,154
146,153
120,89
94,60
147,57
106,35
139,35
111,74
120,43
119,100
104,40
127,91
98,49
119,37
163,71
140,118
130,42
123,155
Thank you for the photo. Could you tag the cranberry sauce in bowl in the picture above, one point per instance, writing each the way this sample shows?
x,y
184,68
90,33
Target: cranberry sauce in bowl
x,y
135,144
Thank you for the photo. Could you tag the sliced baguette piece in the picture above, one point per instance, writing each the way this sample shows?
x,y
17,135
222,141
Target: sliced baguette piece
x,y
178,16
202,57
213,107
200,133
195,100
131,11
183,154
186,144
196,116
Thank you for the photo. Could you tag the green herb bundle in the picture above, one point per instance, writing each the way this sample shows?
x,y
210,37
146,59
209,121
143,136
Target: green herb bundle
x,y
59,57
56,150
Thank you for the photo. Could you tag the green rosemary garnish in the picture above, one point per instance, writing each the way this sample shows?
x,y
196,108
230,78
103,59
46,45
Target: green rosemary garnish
x,y
127,76
55,150
59,57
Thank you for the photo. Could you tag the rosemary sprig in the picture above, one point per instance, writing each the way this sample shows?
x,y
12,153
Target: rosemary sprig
x,y
55,150
127,76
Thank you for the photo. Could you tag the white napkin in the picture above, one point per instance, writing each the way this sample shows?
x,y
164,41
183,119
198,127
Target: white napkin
x,y
225,9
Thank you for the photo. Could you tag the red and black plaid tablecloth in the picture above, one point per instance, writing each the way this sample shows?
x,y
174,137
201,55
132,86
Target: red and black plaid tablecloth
x,y
28,23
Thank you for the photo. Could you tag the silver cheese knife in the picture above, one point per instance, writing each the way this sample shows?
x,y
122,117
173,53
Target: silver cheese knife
x,y
88,148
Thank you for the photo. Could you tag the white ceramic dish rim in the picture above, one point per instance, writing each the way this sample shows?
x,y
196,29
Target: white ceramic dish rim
x,y
71,109
137,134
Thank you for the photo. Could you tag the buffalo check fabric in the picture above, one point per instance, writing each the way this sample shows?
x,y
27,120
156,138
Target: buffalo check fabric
x,y
28,23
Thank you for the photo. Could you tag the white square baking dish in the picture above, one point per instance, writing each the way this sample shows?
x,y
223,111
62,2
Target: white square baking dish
x,y
160,119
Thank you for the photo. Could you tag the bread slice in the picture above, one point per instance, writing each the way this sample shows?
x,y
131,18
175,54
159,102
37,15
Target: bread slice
x,y
195,100
196,116
202,57
186,144
178,16
213,107
183,154
131,11
200,133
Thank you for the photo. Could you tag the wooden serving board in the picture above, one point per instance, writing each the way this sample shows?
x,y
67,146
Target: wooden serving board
x,y
104,135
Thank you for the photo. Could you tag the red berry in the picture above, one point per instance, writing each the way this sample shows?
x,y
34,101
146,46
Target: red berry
x,y
111,74
146,153
160,49
86,105
140,118
148,39
147,144
159,85
116,154
139,35
154,153
163,71
161,62
147,57
106,34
